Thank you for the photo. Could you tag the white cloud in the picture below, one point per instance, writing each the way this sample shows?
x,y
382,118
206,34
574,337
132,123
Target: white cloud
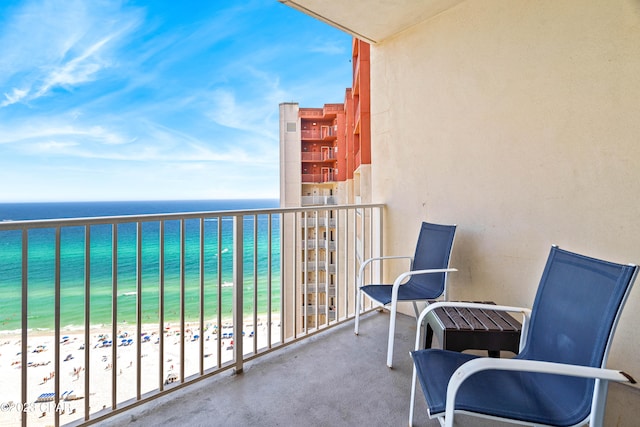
x,y
78,70
253,111
35,131
16,95
330,47
49,44
54,146
154,143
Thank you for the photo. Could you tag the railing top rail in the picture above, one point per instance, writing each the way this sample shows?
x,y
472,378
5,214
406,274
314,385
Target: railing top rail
x,y
123,219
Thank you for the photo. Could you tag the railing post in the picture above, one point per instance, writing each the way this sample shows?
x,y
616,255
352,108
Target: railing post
x,y
56,323
183,267
114,315
87,319
25,324
138,340
238,288
161,305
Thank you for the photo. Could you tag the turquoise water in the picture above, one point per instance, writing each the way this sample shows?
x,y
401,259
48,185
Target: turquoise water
x,y
41,265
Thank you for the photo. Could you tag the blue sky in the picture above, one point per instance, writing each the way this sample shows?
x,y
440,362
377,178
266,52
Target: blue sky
x,y
152,100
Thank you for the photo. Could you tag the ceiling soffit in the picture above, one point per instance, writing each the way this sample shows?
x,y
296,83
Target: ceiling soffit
x,y
373,21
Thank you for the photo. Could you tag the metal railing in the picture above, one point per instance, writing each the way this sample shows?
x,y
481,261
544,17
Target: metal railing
x,y
318,177
318,156
318,200
311,156
144,305
310,134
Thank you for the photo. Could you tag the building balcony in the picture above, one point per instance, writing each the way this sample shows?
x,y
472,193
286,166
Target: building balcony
x,y
321,244
320,222
311,177
316,315
318,178
310,134
318,200
319,266
314,156
312,309
329,133
326,155
330,110
321,288
114,312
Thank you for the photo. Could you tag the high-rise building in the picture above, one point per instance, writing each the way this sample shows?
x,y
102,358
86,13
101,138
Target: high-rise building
x,y
325,159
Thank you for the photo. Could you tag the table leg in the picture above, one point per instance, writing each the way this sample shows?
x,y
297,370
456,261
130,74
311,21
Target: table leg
x,y
429,337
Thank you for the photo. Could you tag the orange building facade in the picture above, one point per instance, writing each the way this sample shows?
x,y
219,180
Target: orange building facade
x,y
325,151
325,159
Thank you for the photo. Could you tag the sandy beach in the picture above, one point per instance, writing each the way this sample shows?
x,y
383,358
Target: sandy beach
x,y
40,406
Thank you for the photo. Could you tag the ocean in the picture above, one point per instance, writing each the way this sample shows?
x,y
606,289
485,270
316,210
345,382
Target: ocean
x,y
41,271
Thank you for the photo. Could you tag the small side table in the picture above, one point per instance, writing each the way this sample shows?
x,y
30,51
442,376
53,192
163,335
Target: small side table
x,y
460,329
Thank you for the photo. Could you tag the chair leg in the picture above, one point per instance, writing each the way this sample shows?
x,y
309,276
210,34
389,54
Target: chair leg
x,y
357,323
392,333
415,309
412,403
598,403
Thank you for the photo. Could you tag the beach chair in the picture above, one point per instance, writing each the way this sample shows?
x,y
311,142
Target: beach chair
x,y
559,376
427,277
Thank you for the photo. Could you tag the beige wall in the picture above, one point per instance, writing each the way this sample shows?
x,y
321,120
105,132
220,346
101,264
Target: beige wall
x,y
290,157
518,120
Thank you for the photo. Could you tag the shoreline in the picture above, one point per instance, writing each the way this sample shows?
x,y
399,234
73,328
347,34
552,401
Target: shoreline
x,y
40,405
124,324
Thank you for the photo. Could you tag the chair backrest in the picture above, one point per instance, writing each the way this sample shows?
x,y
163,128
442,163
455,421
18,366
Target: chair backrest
x,y
433,250
576,309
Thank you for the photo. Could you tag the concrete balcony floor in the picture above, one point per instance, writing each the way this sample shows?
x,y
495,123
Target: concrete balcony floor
x,y
331,379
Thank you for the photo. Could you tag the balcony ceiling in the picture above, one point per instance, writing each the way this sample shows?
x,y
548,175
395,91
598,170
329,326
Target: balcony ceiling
x,y
373,21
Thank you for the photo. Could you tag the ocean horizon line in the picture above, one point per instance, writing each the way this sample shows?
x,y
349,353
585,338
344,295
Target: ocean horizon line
x,y
17,211
231,199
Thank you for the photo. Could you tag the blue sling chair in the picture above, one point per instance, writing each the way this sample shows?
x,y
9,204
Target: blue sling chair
x,y
427,278
559,376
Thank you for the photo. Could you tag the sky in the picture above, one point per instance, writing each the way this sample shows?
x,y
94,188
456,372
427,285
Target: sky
x,y
155,100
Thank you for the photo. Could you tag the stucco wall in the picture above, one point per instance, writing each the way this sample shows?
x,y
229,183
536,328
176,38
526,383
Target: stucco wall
x,y
520,122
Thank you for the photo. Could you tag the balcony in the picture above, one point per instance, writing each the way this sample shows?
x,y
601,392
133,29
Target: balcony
x,y
239,372
327,154
322,222
310,134
321,244
321,287
311,156
174,315
319,266
330,110
318,178
318,200
329,133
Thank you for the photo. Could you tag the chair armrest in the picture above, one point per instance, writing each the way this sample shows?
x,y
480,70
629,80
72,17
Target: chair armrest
x,y
526,313
380,258
482,364
401,278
